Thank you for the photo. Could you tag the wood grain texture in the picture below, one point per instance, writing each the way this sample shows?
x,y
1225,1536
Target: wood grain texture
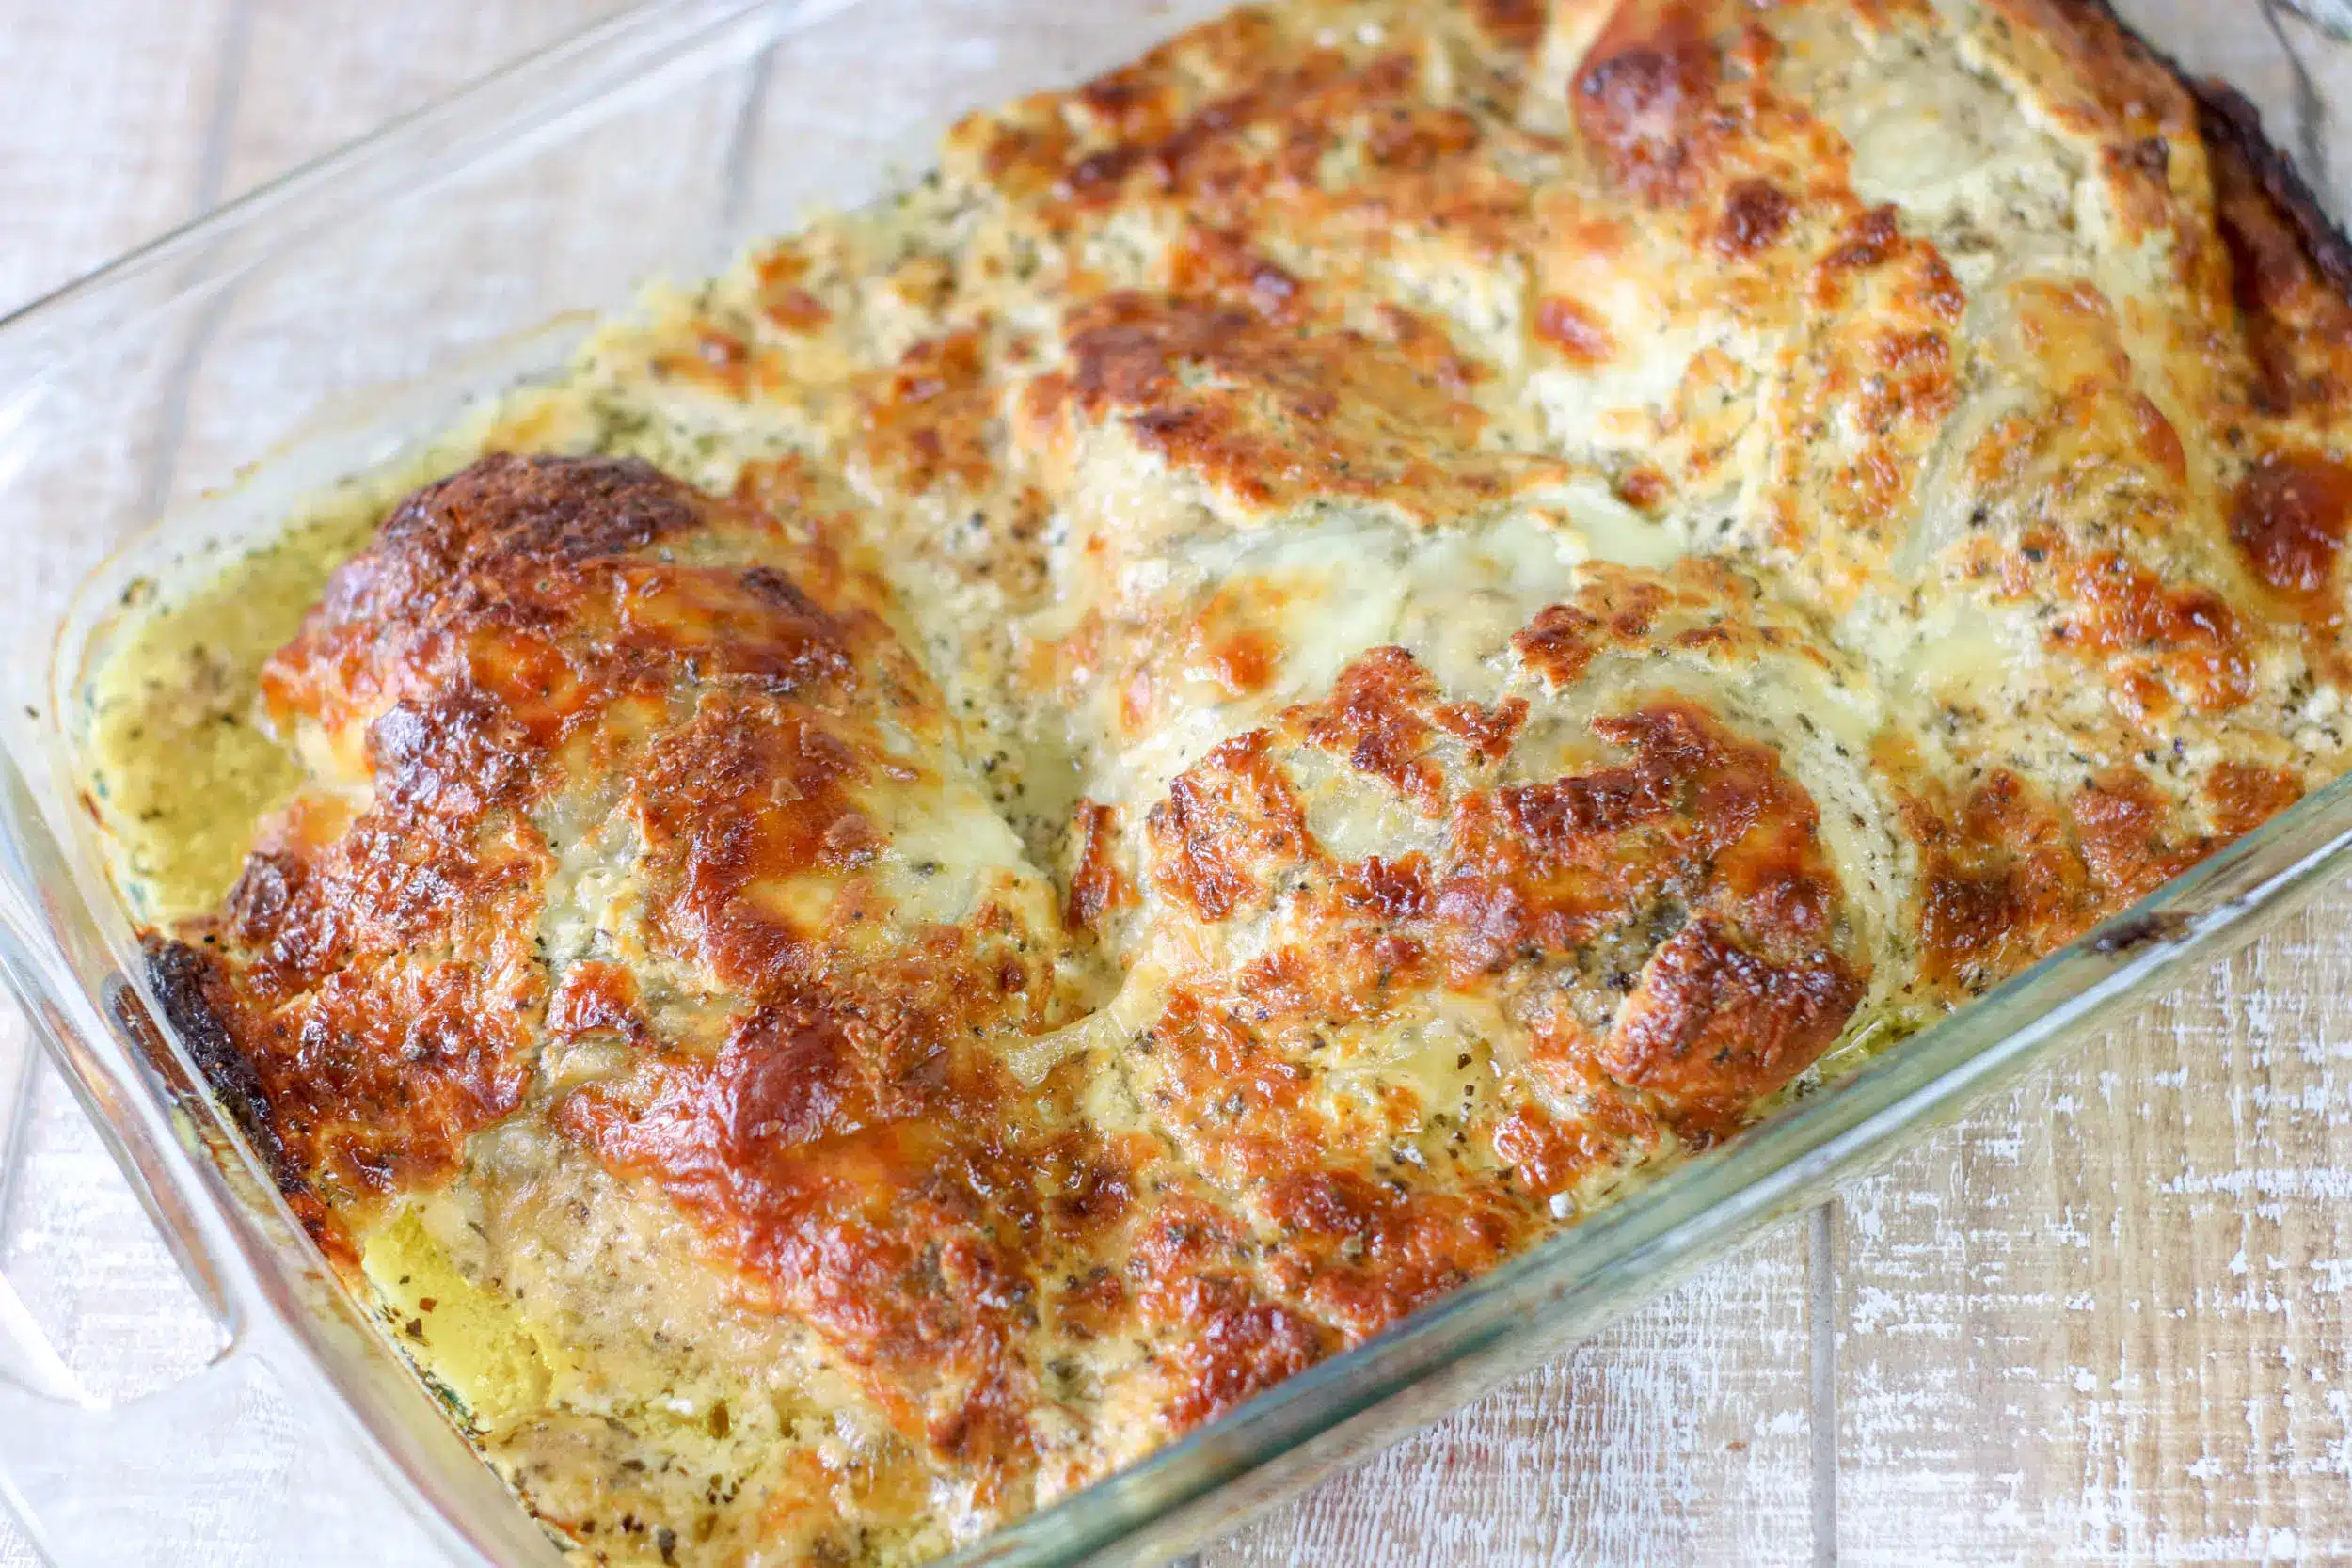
x,y
2102,1321
103,141
1683,1434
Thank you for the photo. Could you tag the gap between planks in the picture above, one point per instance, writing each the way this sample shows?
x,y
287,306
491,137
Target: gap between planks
x,y
1821,1318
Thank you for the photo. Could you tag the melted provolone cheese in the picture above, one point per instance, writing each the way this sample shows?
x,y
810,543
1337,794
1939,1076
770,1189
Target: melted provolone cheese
x,y
1049,803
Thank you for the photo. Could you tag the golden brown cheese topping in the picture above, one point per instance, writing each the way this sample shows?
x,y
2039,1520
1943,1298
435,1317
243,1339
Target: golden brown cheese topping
x,y
1058,800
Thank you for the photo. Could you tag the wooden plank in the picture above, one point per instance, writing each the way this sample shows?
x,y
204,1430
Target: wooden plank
x,y
2102,1321
1683,1434
381,303
317,76
108,104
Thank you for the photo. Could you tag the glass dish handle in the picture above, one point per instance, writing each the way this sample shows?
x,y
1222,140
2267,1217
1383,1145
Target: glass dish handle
x,y
87,1477
94,1480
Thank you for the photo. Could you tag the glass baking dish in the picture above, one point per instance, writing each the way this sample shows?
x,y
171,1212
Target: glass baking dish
x,y
332,318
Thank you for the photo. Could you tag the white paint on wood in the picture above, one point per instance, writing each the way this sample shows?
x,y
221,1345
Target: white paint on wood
x,y
2104,1319
1683,1434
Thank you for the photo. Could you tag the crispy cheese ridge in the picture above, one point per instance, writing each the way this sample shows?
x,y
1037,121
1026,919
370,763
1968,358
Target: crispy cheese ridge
x,y
1054,802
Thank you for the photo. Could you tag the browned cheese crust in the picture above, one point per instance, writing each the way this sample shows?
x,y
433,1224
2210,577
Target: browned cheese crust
x,y
1320,648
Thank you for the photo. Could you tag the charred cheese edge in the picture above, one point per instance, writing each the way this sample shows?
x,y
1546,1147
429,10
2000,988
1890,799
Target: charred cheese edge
x,y
1057,799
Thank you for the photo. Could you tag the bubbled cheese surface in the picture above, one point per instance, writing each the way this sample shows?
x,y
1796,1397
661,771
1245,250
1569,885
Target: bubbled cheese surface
x,y
1052,802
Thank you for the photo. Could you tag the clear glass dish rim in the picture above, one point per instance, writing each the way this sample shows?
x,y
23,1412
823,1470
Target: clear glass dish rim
x,y
1526,1307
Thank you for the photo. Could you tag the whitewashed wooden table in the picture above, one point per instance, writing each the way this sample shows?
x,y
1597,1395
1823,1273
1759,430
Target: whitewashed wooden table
x,y
2103,1321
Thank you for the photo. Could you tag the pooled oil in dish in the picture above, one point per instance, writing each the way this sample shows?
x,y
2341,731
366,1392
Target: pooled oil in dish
x,y
180,761
178,757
